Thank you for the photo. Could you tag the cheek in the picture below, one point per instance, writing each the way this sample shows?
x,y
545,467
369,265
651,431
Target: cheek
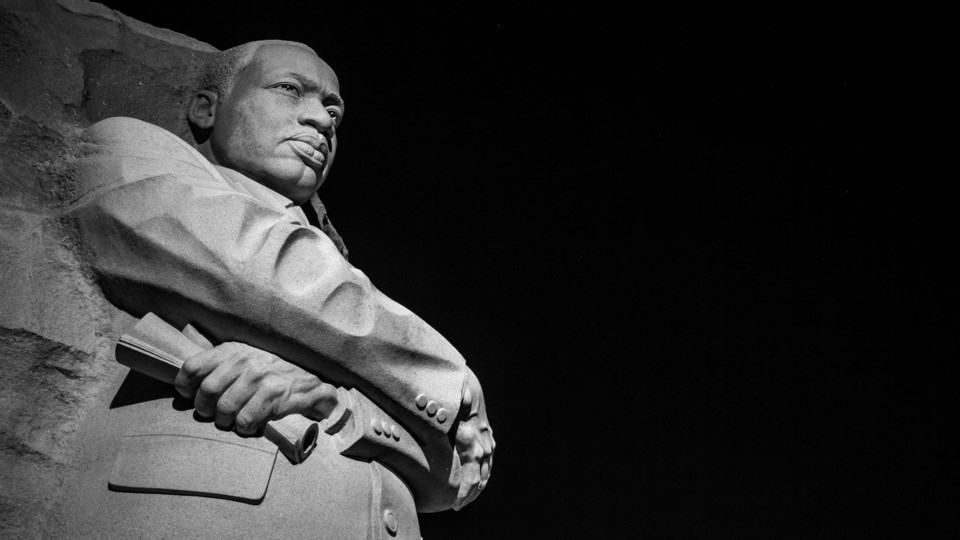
x,y
254,129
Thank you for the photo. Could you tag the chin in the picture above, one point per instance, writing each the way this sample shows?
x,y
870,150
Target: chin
x,y
297,184
304,192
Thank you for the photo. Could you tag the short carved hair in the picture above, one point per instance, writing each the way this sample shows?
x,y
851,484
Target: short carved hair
x,y
221,70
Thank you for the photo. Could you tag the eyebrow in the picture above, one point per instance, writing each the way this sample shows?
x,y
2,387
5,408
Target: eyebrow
x,y
313,85
338,100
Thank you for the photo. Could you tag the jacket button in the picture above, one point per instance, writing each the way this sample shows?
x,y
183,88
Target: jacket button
x,y
421,401
386,427
395,432
442,415
376,427
390,520
432,407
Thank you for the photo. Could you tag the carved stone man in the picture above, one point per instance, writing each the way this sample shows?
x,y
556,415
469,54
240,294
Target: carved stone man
x,y
217,238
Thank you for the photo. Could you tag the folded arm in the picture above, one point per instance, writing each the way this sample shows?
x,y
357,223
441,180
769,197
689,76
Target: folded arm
x,y
170,236
166,233
243,387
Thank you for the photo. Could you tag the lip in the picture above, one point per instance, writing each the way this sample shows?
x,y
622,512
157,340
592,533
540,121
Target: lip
x,y
314,149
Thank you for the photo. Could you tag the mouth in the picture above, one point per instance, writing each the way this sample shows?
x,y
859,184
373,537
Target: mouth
x,y
312,149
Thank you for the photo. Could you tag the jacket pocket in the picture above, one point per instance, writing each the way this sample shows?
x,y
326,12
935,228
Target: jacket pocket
x,y
238,469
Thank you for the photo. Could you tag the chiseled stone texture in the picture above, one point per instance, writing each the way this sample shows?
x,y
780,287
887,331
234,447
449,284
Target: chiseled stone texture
x,y
64,64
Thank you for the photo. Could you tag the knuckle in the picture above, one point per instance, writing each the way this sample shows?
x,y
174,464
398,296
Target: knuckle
x,y
253,368
466,430
328,397
273,386
249,358
227,407
241,360
232,346
324,391
190,368
207,388
244,422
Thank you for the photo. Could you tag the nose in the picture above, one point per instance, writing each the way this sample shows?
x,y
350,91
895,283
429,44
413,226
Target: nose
x,y
316,115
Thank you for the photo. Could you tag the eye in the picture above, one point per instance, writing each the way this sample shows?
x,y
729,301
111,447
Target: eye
x,y
288,88
335,114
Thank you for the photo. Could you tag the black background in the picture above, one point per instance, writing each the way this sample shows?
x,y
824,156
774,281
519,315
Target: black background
x,y
696,255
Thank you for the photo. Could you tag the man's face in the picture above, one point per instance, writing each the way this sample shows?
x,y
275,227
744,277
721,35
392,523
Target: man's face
x,y
278,124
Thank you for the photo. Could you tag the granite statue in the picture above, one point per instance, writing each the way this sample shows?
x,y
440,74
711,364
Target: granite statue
x,y
227,239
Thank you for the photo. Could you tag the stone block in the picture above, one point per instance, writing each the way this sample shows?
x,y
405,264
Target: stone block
x,y
64,64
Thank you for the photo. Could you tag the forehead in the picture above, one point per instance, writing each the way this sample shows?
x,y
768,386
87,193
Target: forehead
x,y
278,60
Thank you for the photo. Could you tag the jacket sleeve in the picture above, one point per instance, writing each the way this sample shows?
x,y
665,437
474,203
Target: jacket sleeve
x,y
166,233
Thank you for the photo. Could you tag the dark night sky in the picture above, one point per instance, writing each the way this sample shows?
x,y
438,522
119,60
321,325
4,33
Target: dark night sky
x,y
693,254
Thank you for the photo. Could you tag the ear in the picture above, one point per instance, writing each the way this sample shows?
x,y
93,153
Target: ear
x,y
203,109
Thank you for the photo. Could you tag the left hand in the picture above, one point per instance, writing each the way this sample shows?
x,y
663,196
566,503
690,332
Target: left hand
x,y
244,387
474,442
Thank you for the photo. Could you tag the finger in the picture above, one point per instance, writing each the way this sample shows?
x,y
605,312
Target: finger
x,y
232,401
469,476
466,434
193,371
257,411
485,471
477,477
487,446
325,400
472,495
486,443
308,396
213,386
470,473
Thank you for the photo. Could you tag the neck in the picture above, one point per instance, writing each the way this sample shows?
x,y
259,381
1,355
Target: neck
x,y
207,152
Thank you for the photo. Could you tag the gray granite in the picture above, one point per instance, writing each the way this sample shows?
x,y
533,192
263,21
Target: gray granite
x,y
406,430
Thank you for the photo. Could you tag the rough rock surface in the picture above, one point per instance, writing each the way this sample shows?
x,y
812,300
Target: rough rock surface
x,y
64,64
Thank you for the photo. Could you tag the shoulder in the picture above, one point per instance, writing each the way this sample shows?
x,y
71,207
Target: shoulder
x,y
120,150
132,133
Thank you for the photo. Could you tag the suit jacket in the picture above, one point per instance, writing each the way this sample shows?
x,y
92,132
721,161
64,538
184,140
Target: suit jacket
x,y
171,476
170,233
167,232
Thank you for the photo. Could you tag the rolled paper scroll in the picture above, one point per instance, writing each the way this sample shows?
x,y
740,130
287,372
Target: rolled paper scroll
x,y
157,349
